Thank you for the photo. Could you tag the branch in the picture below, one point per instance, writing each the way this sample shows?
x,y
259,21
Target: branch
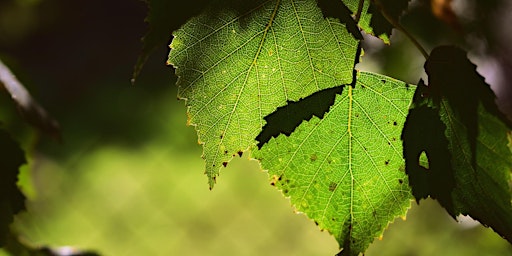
x,y
31,111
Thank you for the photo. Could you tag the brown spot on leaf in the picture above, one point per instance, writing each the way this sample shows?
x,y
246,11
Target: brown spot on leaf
x,y
240,153
400,181
274,179
395,123
225,164
313,157
332,186
386,162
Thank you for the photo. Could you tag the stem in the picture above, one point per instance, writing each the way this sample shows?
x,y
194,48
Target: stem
x,y
398,26
359,11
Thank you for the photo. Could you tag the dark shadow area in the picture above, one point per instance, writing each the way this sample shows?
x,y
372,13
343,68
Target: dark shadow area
x,y
285,119
12,200
164,17
393,10
425,132
444,122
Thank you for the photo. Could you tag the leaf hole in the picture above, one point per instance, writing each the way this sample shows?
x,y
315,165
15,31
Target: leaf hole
x,y
423,160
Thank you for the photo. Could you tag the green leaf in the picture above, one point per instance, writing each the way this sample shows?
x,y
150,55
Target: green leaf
x,y
240,62
346,171
473,176
12,200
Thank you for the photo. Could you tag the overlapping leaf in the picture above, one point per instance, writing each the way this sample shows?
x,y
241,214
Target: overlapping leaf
x,y
346,171
238,63
472,176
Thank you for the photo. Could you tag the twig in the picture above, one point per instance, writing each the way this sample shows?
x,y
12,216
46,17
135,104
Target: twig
x,y
359,11
30,109
398,26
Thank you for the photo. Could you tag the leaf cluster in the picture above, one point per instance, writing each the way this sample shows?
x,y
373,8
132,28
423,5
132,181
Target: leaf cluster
x,y
278,78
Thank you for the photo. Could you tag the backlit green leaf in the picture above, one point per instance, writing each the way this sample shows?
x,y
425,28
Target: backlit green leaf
x,y
237,63
346,171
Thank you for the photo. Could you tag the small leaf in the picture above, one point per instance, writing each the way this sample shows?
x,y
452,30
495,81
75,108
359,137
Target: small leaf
x,y
240,62
346,171
372,17
381,11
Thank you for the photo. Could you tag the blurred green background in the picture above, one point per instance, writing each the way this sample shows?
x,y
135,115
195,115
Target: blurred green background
x,y
128,177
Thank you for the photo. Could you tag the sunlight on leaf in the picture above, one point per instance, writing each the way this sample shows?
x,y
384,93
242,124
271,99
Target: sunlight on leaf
x,y
346,171
235,66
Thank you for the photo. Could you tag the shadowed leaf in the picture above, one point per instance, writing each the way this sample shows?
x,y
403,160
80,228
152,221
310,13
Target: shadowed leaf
x,y
164,16
381,11
475,135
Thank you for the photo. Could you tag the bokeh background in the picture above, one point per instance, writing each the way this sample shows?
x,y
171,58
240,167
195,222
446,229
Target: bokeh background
x,y
127,178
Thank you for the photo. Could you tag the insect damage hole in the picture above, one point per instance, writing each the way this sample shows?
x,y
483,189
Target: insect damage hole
x,y
423,160
333,186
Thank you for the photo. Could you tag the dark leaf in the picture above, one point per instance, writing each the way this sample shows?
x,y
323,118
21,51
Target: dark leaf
x,y
457,124
164,17
382,11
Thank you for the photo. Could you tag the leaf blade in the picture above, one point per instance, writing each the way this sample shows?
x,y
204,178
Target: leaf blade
x,y
345,171
237,66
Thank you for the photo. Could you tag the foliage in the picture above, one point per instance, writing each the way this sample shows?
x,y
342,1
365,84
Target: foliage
x,y
278,81
244,69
